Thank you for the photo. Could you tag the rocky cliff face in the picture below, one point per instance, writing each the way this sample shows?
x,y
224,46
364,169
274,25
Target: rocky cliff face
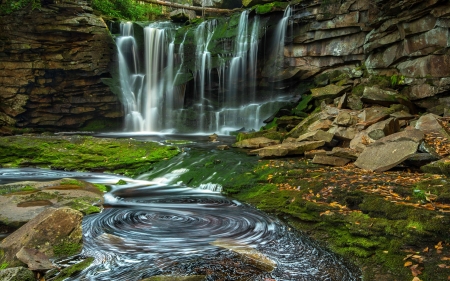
x,y
52,61
406,42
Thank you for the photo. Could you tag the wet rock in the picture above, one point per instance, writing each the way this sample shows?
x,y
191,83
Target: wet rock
x,y
17,274
389,151
288,149
420,159
213,137
176,278
51,229
330,160
303,126
256,142
248,254
25,200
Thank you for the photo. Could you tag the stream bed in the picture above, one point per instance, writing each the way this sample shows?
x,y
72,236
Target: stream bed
x,y
174,221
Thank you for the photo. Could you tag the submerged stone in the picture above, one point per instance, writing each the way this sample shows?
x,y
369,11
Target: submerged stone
x,y
247,253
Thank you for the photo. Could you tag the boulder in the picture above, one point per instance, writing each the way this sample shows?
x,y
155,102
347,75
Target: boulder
x,y
361,141
17,274
47,233
429,123
343,133
256,143
330,160
389,151
289,148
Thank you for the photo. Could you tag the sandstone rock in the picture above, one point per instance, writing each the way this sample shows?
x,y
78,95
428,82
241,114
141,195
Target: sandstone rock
x,y
383,128
434,65
341,152
247,253
330,160
302,127
256,143
420,159
378,96
343,133
288,149
389,151
361,141
429,123
310,154
34,259
316,136
46,231
17,274
345,118
331,91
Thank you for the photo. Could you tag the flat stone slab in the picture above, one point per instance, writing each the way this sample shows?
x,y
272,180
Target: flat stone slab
x,y
247,253
256,142
382,157
289,148
330,160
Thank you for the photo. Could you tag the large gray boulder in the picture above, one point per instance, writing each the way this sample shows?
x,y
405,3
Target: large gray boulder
x,y
49,233
389,151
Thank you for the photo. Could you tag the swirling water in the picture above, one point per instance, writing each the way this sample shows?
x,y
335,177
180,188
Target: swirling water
x,y
150,229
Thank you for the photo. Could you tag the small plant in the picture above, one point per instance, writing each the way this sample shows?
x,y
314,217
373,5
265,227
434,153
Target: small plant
x,y
397,80
4,265
121,182
10,6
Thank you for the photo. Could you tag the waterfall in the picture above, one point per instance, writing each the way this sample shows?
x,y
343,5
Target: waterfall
x,y
161,96
279,38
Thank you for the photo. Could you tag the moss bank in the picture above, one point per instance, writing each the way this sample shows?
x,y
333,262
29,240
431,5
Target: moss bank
x,y
373,220
83,153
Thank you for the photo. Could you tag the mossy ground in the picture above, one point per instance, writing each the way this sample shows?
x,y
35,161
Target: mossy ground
x,y
83,153
375,220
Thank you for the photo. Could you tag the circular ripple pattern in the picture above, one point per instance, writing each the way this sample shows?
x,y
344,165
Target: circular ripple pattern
x,y
154,230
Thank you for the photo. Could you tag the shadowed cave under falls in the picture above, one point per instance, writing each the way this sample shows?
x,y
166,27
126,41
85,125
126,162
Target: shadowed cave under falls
x,y
199,80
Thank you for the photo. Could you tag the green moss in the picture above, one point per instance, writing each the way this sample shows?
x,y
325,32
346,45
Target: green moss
x,y
66,249
120,156
4,265
10,6
102,187
71,182
73,269
85,205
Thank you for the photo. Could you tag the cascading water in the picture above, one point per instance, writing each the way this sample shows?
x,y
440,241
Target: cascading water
x,y
222,96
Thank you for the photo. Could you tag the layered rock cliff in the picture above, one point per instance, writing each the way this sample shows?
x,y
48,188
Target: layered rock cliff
x,y
52,61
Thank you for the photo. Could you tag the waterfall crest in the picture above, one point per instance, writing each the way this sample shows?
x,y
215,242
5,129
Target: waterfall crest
x,y
206,82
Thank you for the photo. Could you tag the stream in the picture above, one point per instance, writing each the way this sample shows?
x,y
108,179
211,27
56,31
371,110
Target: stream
x,y
174,221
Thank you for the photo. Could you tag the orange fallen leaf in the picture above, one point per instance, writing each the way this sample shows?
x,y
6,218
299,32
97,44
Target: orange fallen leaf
x,y
408,263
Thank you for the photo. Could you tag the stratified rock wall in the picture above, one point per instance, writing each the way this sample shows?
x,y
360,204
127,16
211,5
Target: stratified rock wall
x,y
51,64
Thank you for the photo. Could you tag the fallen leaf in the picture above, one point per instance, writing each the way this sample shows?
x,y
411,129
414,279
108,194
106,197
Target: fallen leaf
x,y
408,263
